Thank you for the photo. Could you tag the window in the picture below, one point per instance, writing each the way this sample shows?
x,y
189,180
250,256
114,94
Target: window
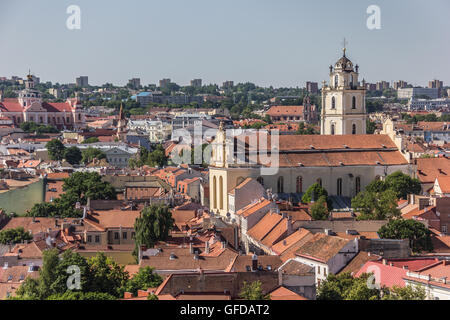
x,y
124,235
354,103
444,228
336,81
358,185
333,103
215,193
339,187
333,130
116,235
221,192
319,182
351,80
261,181
299,185
97,239
354,129
89,238
280,185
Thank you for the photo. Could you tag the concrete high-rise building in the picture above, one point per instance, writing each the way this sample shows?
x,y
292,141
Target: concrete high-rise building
x,y
164,83
312,87
400,84
82,81
436,84
343,101
135,83
228,84
196,83
382,85
408,93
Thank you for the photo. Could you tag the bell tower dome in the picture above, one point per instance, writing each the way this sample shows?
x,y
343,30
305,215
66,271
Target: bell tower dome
x,y
343,100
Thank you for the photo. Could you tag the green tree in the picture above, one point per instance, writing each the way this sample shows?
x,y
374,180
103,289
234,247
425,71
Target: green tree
x,y
152,226
376,205
418,235
370,126
345,287
91,140
143,280
70,295
315,192
319,210
405,293
403,184
107,276
55,150
14,236
253,291
152,297
157,157
73,155
85,185
89,154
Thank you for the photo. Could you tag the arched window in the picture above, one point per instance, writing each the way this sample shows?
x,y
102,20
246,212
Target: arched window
x,y
261,181
280,185
336,81
358,185
354,103
351,80
354,129
333,129
319,182
214,193
299,185
339,187
333,103
221,192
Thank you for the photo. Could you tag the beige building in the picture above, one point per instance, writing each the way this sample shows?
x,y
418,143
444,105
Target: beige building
x,y
343,165
343,101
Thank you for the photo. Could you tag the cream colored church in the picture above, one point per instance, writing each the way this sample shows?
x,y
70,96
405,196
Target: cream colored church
x,y
343,159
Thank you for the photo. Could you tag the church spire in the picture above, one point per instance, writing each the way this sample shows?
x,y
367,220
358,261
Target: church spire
x,y
344,43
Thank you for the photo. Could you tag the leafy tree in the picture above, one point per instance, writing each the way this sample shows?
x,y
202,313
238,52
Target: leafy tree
x,y
157,157
55,149
89,154
403,184
13,236
152,226
319,210
345,287
418,235
370,127
70,295
143,280
253,291
376,205
107,276
315,192
405,293
305,130
91,140
152,297
73,155
84,185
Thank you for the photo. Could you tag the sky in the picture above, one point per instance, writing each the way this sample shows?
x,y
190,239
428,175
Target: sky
x,y
275,43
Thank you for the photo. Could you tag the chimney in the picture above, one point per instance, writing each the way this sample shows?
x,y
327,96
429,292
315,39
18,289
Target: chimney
x,y
5,266
384,262
224,244
369,254
207,247
31,267
254,262
289,226
191,248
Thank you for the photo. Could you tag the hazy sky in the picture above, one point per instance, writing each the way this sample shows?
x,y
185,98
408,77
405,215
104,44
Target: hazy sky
x,y
268,42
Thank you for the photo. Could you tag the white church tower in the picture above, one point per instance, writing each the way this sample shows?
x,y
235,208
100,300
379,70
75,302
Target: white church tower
x,y
343,101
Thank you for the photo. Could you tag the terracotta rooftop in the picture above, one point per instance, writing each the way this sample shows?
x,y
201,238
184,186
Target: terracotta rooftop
x,y
322,247
428,170
358,262
253,207
287,247
283,293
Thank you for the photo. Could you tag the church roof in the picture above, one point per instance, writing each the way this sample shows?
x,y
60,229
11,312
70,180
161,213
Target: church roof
x,y
13,105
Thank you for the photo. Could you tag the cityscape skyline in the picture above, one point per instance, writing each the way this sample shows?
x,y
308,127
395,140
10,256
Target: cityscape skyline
x,y
264,43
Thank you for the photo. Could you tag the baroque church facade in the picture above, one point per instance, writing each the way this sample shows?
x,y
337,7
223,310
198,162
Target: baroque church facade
x,y
343,161
29,107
